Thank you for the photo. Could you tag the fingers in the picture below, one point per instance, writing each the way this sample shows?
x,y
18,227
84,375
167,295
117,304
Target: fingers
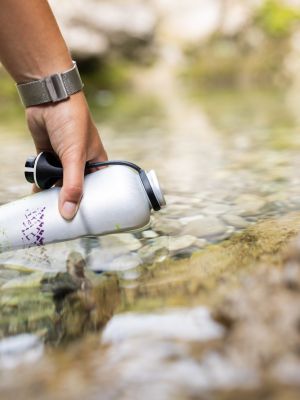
x,y
68,130
72,189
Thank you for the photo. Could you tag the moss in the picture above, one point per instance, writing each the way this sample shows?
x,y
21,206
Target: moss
x,y
25,310
212,273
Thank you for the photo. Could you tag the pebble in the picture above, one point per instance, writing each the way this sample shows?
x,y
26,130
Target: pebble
x,y
179,324
167,226
205,227
130,275
235,220
149,234
249,204
181,242
100,259
148,252
129,240
216,209
186,220
172,199
127,261
18,349
200,243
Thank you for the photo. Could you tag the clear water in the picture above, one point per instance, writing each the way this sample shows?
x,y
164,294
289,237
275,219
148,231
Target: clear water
x,y
225,161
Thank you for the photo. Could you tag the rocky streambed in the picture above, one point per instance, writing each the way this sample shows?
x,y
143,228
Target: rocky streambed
x,y
223,323
203,303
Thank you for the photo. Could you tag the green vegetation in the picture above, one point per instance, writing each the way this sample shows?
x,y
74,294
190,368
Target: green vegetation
x,y
262,115
113,74
231,62
252,58
108,86
277,19
11,109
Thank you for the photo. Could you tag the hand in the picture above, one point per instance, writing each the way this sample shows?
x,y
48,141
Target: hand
x,y
67,129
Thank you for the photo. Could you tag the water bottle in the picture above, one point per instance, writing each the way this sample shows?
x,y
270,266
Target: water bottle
x,y
117,198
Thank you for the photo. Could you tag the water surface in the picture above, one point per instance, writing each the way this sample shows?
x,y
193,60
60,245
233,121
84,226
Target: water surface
x,y
227,161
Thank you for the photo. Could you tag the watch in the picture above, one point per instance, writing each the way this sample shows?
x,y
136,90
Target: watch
x,y
51,89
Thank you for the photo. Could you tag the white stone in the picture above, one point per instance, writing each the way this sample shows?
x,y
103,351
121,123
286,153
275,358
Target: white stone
x,y
24,348
149,234
127,261
179,324
181,242
249,204
129,240
205,227
235,220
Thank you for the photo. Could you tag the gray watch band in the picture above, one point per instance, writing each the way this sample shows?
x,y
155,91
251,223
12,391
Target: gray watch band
x,y
53,88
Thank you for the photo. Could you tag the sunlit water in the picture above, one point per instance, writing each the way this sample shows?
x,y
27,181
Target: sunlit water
x,y
225,161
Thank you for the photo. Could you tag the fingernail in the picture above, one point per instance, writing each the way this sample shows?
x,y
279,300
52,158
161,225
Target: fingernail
x,y
69,210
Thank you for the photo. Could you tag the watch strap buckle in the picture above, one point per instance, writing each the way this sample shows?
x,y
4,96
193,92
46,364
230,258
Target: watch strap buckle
x,y
56,88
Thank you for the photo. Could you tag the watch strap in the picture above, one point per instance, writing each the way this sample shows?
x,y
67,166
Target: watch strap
x,y
53,88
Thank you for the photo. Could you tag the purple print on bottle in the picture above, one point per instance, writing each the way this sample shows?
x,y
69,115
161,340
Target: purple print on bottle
x,y
33,227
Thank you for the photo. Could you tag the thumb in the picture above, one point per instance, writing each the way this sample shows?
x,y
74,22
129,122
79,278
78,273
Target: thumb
x,y
72,189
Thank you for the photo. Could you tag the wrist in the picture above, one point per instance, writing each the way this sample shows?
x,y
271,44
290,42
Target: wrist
x,y
38,68
53,88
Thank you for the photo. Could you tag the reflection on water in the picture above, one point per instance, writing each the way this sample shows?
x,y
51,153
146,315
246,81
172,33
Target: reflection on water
x,y
226,161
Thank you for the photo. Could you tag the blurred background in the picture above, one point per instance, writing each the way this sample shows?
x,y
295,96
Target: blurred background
x,y
211,46
182,77
206,92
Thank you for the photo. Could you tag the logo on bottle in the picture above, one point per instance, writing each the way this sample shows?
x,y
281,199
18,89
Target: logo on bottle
x,y
33,227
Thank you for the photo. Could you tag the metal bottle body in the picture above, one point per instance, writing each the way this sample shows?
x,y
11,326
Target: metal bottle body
x,y
114,201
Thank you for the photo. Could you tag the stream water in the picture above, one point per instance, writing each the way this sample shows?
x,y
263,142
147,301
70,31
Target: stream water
x,y
227,162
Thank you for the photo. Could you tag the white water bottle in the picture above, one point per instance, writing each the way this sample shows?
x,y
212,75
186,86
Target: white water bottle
x,y
116,199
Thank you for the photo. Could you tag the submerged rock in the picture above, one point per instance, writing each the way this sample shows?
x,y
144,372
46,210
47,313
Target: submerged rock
x,y
249,204
181,242
19,349
125,262
166,226
205,227
157,246
181,324
129,241
235,220
149,234
153,351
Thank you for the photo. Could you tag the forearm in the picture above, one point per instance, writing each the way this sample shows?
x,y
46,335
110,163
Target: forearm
x,y
31,45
